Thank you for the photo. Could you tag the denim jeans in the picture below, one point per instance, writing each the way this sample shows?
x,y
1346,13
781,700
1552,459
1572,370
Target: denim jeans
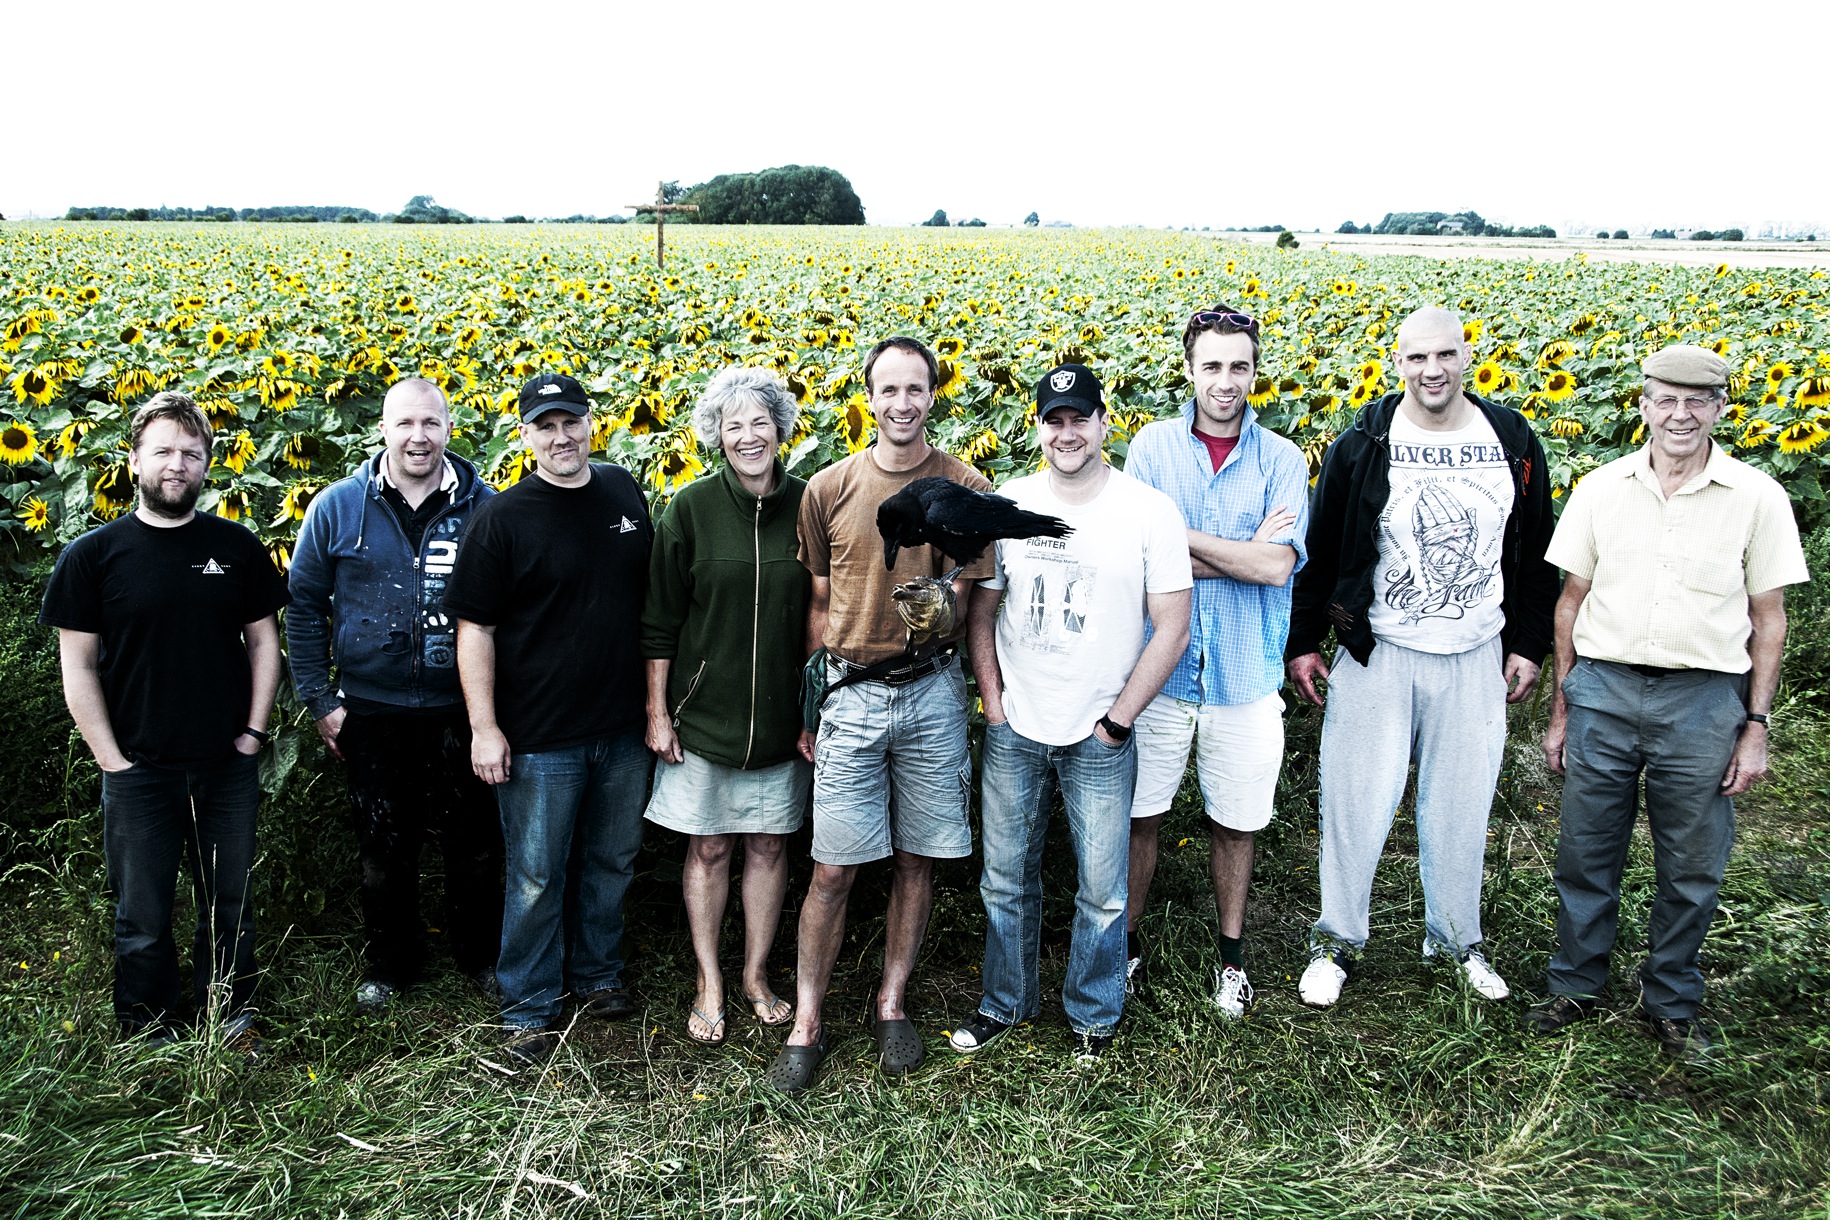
x,y
571,823
410,780
1019,778
151,817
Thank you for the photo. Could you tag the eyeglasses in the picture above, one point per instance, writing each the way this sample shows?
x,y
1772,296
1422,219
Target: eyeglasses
x,y
1244,321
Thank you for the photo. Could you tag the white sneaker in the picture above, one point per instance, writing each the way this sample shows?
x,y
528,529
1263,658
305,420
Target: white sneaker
x,y
1320,985
1482,978
1232,992
1485,981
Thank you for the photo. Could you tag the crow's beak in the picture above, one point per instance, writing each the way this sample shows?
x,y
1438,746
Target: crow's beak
x,y
890,547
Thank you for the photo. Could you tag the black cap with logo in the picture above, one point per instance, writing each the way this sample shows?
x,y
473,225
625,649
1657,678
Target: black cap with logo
x,y
549,390
1069,385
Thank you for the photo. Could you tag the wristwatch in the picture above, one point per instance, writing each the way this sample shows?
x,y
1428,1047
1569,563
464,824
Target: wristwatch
x,y
1117,732
1757,717
264,738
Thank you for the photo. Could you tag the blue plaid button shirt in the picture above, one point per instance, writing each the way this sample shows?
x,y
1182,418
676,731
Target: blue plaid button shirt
x,y
1236,630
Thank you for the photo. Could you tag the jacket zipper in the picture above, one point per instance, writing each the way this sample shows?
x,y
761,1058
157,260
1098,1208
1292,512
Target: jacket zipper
x,y
755,625
690,688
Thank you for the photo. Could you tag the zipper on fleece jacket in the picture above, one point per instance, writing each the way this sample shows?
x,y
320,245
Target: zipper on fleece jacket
x,y
690,688
755,626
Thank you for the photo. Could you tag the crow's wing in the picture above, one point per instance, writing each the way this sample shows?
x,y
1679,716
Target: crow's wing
x,y
984,516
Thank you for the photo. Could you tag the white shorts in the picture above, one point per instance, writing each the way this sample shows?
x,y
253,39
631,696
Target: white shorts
x,y
1239,753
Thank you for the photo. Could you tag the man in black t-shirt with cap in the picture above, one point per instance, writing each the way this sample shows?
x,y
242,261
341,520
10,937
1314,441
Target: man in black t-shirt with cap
x,y
171,656
548,593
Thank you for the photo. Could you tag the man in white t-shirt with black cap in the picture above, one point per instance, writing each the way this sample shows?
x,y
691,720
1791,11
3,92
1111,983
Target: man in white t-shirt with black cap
x,y
1059,648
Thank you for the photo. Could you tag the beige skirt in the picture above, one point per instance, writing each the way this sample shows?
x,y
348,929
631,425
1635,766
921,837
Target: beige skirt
x,y
697,797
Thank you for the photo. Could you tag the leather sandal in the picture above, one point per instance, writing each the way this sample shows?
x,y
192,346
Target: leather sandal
x,y
899,1047
794,1068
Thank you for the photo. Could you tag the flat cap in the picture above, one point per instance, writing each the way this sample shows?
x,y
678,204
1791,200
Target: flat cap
x,y
1687,364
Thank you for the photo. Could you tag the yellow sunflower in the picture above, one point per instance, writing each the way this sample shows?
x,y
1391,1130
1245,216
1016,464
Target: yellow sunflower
x,y
1559,386
239,451
950,347
1757,433
293,503
72,435
951,380
1719,347
234,505
18,444
1814,392
1370,371
36,514
855,422
301,449
34,385
1802,437
1777,375
131,335
1488,378
673,469
1563,425
217,338
1263,391
1555,353
1471,330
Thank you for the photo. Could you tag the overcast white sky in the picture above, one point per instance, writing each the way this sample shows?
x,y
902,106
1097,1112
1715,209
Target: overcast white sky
x,y
1306,114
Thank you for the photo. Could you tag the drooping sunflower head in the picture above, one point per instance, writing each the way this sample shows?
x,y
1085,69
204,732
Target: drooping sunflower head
x,y
1802,437
302,449
1263,391
131,335
18,443
952,380
1814,391
238,451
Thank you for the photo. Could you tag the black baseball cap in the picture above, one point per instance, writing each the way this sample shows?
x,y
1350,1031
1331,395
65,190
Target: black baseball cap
x,y
549,390
1069,385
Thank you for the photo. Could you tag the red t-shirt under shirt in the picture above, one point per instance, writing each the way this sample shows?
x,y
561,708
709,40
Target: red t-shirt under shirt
x,y
1218,447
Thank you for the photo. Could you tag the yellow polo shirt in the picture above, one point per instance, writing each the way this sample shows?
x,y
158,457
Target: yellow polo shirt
x,y
1671,577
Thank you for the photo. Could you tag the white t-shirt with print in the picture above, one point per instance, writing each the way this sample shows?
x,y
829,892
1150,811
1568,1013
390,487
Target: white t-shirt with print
x,y
1438,586
1071,628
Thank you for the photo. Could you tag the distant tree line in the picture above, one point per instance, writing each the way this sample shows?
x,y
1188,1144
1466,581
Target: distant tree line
x,y
421,209
1430,224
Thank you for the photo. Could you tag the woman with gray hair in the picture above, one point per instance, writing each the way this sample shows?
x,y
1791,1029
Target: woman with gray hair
x,y
724,631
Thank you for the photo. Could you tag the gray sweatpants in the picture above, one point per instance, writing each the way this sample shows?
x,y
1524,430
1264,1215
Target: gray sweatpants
x,y
1449,714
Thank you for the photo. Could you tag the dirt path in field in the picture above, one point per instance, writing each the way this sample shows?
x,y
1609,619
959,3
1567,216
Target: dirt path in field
x,y
1682,253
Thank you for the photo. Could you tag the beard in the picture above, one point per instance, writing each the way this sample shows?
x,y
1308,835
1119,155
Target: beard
x,y
153,495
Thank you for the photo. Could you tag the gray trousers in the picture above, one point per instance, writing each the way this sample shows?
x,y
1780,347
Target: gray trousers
x,y
1447,712
1678,730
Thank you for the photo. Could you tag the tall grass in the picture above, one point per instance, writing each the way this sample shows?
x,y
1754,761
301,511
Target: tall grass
x,y
1408,1098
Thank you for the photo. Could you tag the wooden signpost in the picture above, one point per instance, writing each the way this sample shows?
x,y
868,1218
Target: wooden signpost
x,y
660,208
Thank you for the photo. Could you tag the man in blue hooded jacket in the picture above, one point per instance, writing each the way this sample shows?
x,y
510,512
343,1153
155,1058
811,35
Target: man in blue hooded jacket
x,y
368,582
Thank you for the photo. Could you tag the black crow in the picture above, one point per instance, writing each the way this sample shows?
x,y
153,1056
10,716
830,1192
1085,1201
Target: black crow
x,y
957,521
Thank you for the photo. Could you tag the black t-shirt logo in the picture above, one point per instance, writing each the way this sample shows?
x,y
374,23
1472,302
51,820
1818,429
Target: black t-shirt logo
x,y
212,568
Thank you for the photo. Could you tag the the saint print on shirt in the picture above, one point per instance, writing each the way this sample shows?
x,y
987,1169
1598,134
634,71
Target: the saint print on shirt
x,y
1058,598
1444,521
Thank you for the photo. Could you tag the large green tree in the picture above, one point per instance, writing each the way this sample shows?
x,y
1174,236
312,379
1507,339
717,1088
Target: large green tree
x,y
785,195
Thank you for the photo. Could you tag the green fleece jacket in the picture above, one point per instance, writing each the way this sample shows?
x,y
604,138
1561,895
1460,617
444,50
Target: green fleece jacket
x,y
727,604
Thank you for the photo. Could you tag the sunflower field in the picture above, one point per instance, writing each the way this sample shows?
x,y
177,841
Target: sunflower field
x,y
288,337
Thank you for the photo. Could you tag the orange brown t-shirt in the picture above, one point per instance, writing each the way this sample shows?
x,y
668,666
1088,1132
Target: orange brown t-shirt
x,y
839,541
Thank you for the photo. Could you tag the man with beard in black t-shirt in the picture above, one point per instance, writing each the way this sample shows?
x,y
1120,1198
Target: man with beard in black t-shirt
x,y
548,595
171,656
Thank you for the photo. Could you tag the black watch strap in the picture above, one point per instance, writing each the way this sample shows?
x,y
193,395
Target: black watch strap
x,y
1117,732
263,738
1757,717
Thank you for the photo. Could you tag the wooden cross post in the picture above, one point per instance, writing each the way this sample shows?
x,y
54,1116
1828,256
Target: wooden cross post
x,y
660,208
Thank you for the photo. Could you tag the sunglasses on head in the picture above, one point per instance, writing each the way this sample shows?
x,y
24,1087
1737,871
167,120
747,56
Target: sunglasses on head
x,y
1243,321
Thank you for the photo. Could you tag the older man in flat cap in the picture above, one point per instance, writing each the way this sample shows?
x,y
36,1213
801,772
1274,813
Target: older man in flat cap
x,y
1669,633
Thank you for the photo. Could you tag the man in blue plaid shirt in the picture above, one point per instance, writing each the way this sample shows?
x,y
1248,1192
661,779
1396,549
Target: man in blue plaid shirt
x,y
1244,492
